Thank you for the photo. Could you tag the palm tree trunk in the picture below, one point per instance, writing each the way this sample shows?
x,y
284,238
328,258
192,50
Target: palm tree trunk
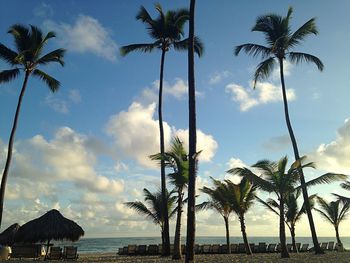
x,y
10,146
177,242
337,235
292,234
297,157
244,235
191,219
284,251
166,241
227,235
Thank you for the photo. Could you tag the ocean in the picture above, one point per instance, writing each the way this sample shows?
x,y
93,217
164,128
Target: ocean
x,y
111,245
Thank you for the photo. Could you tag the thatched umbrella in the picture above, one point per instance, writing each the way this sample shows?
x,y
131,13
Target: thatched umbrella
x,y
50,226
7,237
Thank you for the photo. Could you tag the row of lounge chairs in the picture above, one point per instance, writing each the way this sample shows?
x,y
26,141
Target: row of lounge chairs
x,y
262,247
36,251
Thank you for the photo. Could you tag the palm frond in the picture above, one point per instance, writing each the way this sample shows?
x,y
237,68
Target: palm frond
x,y
8,75
144,16
324,215
326,179
344,211
54,56
299,35
253,50
139,47
140,208
267,205
264,69
183,45
22,37
345,185
298,57
204,206
51,82
342,198
8,55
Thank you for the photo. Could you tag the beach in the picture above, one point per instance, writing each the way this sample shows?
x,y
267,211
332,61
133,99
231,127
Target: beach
x,y
340,257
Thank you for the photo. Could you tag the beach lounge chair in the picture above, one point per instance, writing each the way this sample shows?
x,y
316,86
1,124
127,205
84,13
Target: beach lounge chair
x,y
206,249
289,247
278,248
324,245
252,247
241,248
25,251
183,249
120,251
141,249
298,245
271,248
262,247
330,246
153,250
339,247
55,253
234,248
215,249
304,248
197,249
131,249
70,253
223,249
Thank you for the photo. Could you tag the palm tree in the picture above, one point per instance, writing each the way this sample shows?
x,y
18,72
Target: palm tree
x,y
293,212
28,56
334,212
177,160
281,40
276,179
241,197
153,209
166,31
219,201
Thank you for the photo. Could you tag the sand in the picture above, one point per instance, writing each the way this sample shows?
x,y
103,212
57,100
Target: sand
x,y
340,257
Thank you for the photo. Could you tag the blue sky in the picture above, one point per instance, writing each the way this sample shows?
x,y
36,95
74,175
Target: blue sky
x,y
84,149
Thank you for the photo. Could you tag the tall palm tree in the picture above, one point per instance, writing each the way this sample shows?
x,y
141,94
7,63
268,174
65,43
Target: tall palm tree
x,y
293,212
282,182
28,56
219,201
153,209
241,198
167,31
177,160
192,139
334,212
280,43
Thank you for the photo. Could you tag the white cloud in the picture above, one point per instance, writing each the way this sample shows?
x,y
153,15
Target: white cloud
x,y
136,133
287,69
74,95
265,93
277,143
44,10
56,104
334,156
235,163
86,35
217,77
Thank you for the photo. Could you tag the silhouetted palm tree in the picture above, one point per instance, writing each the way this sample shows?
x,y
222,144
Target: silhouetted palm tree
x,y
282,182
219,201
281,40
28,56
153,209
167,31
293,212
176,159
334,212
241,197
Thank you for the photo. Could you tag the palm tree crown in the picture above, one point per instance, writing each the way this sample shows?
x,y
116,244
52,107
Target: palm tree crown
x,y
28,56
280,42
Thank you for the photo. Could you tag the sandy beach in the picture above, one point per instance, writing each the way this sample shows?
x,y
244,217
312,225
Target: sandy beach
x,y
258,258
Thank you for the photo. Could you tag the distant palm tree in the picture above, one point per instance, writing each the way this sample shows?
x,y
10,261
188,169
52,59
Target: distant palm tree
x,y
153,209
167,31
293,212
241,197
282,182
176,159
29,44
334,212
281,40
219,201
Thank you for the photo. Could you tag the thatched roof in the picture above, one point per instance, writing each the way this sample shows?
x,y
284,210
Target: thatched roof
x,y
50,226
7,237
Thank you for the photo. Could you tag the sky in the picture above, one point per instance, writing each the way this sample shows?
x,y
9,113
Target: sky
x,y
84,150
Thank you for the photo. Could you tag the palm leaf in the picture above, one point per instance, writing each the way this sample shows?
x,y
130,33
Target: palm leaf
x,y
140,208
8,55
22,37
253,50
264,69
345,185
139,47
267,205
8,75
323,214
144,16
326,179
342,198
298,57
53,56
51,82
183,45
308,28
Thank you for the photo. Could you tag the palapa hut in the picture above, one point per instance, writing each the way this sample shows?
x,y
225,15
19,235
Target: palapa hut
x,y
7,237
51,226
